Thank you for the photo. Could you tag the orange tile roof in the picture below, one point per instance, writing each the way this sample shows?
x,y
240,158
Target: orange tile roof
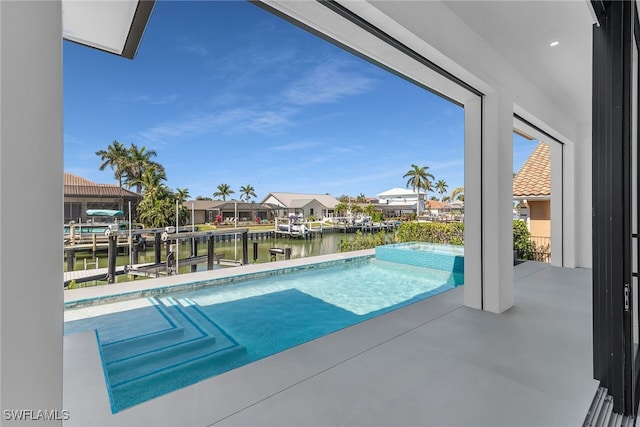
x,y
78,186
436,204
534,177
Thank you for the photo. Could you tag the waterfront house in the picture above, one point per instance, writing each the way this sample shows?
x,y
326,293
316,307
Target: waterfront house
x,y
300,204
81,194
397,202
204,211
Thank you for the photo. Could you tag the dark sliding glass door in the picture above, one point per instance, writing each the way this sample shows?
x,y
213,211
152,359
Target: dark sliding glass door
x,y
616,243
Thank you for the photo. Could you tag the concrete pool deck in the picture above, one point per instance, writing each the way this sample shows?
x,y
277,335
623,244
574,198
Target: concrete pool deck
x,y
434,362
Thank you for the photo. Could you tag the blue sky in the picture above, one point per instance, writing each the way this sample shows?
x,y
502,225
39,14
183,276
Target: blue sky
x,y
228,93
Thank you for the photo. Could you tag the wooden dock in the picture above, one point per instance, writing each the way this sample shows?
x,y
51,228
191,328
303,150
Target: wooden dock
x,y
81,276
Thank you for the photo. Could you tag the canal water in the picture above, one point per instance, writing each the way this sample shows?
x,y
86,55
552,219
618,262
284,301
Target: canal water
x,y
327,244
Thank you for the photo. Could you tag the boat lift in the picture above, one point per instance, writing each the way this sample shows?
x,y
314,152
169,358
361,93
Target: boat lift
x,y
168,235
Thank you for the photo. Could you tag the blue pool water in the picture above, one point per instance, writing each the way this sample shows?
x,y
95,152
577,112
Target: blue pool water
x,y
154,345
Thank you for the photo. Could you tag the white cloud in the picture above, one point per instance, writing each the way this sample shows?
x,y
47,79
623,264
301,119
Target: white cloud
x,y
229,121
198,49
154,100
295,146
144,98
328,82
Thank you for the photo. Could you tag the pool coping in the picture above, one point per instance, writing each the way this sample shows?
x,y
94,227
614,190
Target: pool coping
x,y
104,294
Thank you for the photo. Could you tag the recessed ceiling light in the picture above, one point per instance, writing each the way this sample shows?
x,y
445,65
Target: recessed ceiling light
x,y
554,43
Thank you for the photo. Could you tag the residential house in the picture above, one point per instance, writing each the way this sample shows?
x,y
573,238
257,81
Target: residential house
x,y
81,194
532,191
305,205
204,211
397,202
246,211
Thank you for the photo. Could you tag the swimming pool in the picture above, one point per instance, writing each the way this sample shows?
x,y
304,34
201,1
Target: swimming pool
x,y
154,345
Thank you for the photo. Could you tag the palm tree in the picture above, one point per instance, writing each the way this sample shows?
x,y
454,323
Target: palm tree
x,y
355,209
224,190
441,187
370,210
361,198
150,181
182,194
419,179
458,194
247,192
341,208
115,156
139,159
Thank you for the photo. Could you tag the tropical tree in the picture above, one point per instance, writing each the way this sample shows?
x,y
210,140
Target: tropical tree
x,y
247,192
344,198
356,209
139,160
160,211
115,156
419,179
203,198
361,198
441,187
370,210
151,181
182,194
341,208
373,212
458,194
224,190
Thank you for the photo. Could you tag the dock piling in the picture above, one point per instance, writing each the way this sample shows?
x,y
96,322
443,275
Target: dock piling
x,y
111,261
245,248
71,255
156,247
194,253
210,247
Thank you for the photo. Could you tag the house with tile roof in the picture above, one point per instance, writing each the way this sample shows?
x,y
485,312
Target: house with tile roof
x,y
532,191
81,194
306,205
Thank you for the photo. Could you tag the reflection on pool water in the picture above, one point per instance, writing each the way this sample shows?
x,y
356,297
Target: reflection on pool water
x,y
151,346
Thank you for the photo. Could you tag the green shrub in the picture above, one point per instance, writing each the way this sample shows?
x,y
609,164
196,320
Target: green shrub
x,y
522,240
366,241
434,232
451,233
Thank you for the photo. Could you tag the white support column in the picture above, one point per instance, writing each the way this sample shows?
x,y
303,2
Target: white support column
x,y
473,203
497,203
31,215
558,200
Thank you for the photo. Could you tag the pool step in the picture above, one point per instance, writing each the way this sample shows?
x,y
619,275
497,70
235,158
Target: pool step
x,y
147,342
178,329
196,342
145,363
